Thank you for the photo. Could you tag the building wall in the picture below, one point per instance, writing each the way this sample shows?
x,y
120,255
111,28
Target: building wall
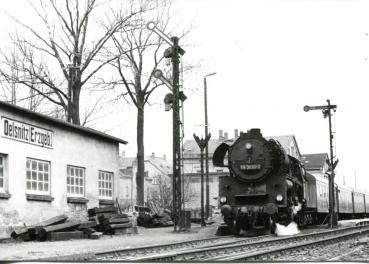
x,y
153,169
126,191
194,191
69,148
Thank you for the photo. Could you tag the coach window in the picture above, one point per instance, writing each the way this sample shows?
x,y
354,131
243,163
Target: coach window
x,y
75,181
105,185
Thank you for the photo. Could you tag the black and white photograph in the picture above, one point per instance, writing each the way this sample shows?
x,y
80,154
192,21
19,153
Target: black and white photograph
x,y
184,131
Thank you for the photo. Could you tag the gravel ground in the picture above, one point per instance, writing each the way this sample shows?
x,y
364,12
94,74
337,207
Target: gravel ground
x,y
145,236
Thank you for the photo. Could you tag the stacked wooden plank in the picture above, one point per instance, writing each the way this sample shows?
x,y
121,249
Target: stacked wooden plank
x,y
45,232
31,232
105,220
110,221
55,228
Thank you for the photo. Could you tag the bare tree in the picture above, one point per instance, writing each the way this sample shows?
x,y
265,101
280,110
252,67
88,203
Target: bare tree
x,y
138,53
13,92
66,53
161,193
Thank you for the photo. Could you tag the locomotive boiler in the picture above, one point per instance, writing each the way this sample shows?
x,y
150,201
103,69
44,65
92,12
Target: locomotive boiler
x,y
265,185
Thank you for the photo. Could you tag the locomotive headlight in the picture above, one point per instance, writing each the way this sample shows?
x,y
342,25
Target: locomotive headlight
x,y
248,146
279,197
223,199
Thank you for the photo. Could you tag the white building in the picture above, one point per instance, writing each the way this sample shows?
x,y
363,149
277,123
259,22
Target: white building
x,y
157,170
50,167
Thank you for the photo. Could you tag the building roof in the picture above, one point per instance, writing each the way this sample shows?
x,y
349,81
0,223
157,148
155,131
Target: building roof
x,y
314,161
127,161
160,163
191,147
58,122
286,141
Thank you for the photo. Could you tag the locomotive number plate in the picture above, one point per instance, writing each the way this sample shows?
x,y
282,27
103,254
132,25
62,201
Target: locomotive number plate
x,y
250,166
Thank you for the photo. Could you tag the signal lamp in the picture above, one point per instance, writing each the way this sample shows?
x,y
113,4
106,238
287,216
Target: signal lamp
x,y
223,199
151,25
158,74
279,197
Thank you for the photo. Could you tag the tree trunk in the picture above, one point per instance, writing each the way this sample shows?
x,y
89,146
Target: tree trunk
x,y
75,94
140,176
75,106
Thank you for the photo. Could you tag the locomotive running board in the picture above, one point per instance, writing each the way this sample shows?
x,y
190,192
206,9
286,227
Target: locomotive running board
x,y
219,155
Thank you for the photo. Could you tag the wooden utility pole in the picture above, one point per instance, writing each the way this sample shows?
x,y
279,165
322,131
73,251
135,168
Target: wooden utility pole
x,y
207,146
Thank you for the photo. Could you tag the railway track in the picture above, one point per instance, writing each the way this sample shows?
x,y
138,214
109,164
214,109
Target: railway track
x,y
266,247
291,248
137,253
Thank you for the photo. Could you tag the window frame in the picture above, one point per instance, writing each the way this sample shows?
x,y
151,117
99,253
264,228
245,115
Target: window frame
x,y
83,169
100,188
3,165
37,191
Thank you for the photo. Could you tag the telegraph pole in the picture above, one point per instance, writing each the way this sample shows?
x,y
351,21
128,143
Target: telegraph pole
x,y
207,146
326,109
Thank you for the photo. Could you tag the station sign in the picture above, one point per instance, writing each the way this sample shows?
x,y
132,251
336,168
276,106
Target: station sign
x,y
25,132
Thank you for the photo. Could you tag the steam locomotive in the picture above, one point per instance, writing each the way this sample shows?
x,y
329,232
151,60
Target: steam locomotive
x,y
267,186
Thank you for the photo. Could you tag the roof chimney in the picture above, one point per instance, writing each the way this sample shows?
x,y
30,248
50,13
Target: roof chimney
x,y
225,135
153,154
164,157
235,133
220,134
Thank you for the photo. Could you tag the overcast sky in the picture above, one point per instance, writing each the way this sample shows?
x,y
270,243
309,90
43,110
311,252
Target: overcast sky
x,y
272,57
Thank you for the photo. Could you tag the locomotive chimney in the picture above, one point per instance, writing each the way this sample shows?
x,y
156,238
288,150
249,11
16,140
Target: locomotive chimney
x,y
220,134
255,131
235,133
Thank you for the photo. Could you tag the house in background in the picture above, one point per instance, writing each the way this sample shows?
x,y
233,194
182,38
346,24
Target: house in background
x,y
316,164
289,144
156,169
